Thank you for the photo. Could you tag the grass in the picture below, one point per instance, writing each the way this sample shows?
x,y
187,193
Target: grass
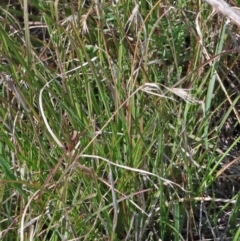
x,y
114,122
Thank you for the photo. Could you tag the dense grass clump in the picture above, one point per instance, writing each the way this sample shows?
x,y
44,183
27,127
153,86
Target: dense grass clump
x,y
119,121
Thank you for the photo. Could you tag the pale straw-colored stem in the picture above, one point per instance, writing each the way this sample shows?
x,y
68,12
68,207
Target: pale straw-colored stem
x,y
228,11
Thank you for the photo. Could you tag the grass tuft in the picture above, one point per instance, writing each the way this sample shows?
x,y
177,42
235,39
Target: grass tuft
x,y
119,121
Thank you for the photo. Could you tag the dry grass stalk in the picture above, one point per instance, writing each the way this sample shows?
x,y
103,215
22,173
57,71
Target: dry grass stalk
x,y
231,13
